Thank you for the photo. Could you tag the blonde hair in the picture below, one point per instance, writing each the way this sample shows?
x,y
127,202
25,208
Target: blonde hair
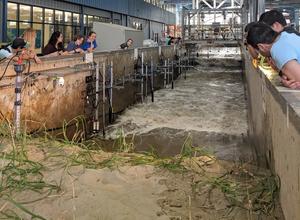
x,y
29,35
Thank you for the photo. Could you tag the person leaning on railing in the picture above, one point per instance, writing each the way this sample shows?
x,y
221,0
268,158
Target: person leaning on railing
x,y
283,48
277,22
127,44
29,36
90,44
75,46
55,45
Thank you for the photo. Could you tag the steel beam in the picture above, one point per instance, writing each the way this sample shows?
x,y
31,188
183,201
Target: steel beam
x,y
261,7
3,22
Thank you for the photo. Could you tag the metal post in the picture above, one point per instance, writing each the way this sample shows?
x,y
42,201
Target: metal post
x,y
172,74
3,22
165,74
296,19
152,80
179,61
168,81
253,10
185,67
96,126
142,79
261,7
183,23
103,97
146,75
19,68
111,93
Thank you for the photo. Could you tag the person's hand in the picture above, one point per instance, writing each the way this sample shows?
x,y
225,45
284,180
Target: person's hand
x,y
79,50
290,83
90,50
63,52
37,60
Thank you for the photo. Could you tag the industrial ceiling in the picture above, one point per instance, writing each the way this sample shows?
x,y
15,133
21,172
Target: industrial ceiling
x,y
269,3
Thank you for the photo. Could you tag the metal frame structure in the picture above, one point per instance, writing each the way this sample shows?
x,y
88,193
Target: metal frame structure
x,y
191,18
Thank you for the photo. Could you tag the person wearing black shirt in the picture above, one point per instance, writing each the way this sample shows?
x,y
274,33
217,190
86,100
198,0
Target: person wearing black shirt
x,y
55,45
127,44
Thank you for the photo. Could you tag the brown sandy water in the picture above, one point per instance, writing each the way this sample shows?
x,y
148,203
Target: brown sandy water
x,y
208,107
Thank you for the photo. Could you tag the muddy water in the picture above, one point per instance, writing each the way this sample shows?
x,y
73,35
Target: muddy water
x,y
208,107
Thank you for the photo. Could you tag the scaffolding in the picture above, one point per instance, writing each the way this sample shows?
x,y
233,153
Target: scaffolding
x,y
225,20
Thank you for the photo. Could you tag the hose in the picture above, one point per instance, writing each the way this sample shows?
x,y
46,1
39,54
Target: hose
x,y
7,67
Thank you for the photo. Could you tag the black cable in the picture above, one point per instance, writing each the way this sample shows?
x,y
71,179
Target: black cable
x,y
7,67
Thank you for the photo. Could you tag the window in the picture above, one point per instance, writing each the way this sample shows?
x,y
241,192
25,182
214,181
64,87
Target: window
x,y
59,17
12,30
68,18
12,11
49,16
68,34
25,13
45,21
85,20
39,37
117,21
49,29
76,19
96,18
90,20
23,26
37,14
76,31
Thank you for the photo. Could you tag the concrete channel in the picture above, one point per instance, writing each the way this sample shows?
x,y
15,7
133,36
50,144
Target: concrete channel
x,y
208,106
223,104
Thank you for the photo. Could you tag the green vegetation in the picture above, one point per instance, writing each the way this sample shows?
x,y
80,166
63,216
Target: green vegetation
x,y
21,172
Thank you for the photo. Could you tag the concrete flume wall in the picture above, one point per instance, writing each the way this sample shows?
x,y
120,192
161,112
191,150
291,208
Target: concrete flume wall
x,y
46,104
274,130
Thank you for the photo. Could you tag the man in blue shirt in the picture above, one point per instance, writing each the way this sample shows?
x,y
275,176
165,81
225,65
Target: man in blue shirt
x,y
284,48
90,44
75,46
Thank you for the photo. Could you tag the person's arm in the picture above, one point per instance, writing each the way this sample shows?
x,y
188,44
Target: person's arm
x,y
85,46
4,54
290,83
292,70
71,47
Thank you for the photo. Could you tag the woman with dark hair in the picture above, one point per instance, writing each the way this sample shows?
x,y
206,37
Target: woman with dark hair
x,y
55,45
